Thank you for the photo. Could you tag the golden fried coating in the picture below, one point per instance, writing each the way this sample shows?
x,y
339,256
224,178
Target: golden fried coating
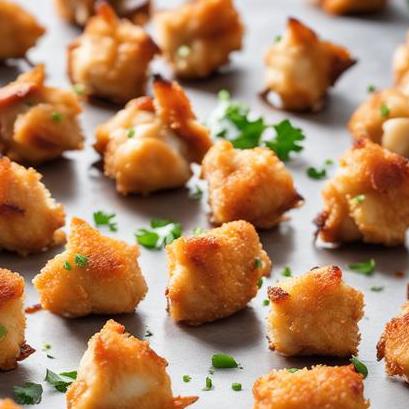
x,y
301,67
19,30
214,274
12,318
401,66
336,387
123,372
198,37
248,184
38,123
29,217
8,404
149,145
394,345
79,11
110,60
94,275
308,314
351,6
367,199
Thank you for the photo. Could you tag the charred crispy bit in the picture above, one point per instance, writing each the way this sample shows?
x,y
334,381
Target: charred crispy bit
x,y
248,184
12,318
110,60
301,68
8,404
308,314
37,122
94,275
329,387
19,30
123,372
214,274
394,345
149,145
366,200
351,6
198,37
79,11
29,217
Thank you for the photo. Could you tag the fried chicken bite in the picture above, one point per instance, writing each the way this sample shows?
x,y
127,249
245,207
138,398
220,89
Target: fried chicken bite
x,y
309,312
150,145
94,275
38,123
351,6
19,30
366,200
198,37
30,219
122,371
329,387
214,274
248,184
301,68
110,60
394,345
8,404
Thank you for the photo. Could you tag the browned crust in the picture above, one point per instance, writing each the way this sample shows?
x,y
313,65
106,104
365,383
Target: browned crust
x,y
277,294
11,286
25,351
14,93
9,209
301,32
197,248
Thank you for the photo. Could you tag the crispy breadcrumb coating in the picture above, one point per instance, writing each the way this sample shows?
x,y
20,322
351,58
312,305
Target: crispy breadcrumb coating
x,y
249,184
309,312
123,372
214,274
38,123
94,275
149,145
198,37
110,60
8,404
30,219
336,387
366,200
401,66
19,30
301,68
394,345
351,6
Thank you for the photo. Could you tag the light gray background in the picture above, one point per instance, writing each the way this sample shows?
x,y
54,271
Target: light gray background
x,y
83,190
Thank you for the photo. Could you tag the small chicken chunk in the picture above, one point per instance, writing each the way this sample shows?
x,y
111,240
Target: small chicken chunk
x,y
308,314
110,60
150,145
329,387
394,345
12,319
79,11
367,199
38,123
30,219
248,184
401,66
8,404
198,37
301,68
19,30
123,372
214,274
94,275
351,6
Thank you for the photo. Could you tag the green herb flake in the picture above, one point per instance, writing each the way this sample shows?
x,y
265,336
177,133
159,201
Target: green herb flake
x,y
360,367
278,38
258,262
148,333
260,282
208,384
223,361
371,88
56,116
266,302
292,370
61,381
236,386
316,174
46,347
366,268
81,261
67,265
131,133
3,332
79,89
384,111
161,233
287,272
105,219
377,289
28,394
186,378
195,192
198,230
358,199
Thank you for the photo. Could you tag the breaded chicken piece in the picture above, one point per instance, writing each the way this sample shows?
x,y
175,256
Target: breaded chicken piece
x,y
214,274
79,11
198,37
30,219
351,6
38,123
8,404
329,387
309,312
123,372
248,184
367,199
401,66
149,145
394,345
12,319
19,30
94,275
110,60
301,68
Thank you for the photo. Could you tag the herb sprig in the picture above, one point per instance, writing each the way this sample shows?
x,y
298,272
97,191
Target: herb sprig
x,y
161,233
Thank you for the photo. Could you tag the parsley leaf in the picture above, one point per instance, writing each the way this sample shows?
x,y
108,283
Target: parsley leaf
x,y
105,219
292,370
186,378
195,192
260,282
79,89
258,262
266,302
224,361
359,366
236,386
131,133
287,272
384,111
208,385
371,88
366,268
317,174
67,265
3,332
61,381
28,394
198,230
81,261
377,289
161,233
56,116
358,199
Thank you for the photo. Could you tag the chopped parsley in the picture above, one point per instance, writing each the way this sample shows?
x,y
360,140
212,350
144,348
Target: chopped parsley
x,y
223,361
46,347
258,263
377,289
131,133
28,394
161,233
287,272
56,116
318,174
81,261
236,386
79,89
61,381
260,282
186,378
371,88
366,268
278,38
266,302
148,333
359,366
208,384
105,219
3,332
384,111
198,230
195,192
358,199
292,370
67,265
